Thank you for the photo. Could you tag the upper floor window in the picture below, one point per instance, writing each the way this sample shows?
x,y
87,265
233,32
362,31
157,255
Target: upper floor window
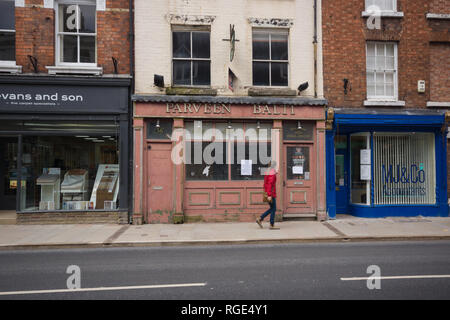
x,y
381,71
191,58
383,5
76,32
270,58
7,32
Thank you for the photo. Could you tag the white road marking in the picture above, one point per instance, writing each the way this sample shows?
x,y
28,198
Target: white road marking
x,y
157,286
398,277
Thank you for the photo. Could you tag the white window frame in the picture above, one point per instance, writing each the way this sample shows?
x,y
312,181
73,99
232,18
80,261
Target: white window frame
x,y
376,97
270,32
58,57
370,3
191,59
9,65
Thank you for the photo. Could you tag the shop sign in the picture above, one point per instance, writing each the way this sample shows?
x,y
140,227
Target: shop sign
x,y
205,108
397,180
63,98
222,108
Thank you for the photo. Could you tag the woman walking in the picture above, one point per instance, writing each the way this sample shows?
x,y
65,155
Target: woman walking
x,y
270,181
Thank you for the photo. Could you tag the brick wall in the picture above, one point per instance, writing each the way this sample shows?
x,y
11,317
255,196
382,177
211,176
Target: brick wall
x,y
440,72
113,36
35,27
345,34
35,36
440,6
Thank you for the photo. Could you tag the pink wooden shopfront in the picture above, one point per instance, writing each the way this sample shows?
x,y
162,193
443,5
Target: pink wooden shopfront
x,y
171,185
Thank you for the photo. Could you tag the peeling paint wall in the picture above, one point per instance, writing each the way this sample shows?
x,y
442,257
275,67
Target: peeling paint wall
x,y
153,20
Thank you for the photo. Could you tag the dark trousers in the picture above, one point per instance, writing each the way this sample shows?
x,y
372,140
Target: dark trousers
x,y
272,209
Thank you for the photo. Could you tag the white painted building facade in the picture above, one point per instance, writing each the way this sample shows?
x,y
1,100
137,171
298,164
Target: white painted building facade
x,y
155,20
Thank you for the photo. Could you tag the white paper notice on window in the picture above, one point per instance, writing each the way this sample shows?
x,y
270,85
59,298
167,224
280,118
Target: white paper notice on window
x,y
365,156
365,172
297,169
246,167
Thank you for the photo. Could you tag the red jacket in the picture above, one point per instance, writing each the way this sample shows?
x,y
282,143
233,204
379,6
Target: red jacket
x,y
270,181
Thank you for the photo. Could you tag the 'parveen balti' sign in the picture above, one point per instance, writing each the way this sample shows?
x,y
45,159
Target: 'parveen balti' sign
x,y
222,108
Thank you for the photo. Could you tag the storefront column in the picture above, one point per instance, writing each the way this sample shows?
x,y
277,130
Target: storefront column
x,y
277,145
177,137
321,171
138,133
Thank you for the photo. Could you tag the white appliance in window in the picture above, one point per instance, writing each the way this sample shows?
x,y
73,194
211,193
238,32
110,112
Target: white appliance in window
x,y
74,188
50,189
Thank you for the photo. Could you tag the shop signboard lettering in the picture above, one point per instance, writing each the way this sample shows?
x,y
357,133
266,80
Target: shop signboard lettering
x,y
401,180
205,108
63,98
223,108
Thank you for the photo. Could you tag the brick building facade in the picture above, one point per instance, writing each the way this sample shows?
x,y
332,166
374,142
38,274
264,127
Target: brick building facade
x,y
385,64
35,35
65,83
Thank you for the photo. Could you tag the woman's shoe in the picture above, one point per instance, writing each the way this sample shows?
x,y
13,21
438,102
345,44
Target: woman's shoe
x,y
272,227
258,221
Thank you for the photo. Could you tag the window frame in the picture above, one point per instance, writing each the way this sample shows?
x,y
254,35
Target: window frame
x,y
10,63
270,61
191,30
58,34
226,140
374,71
394,5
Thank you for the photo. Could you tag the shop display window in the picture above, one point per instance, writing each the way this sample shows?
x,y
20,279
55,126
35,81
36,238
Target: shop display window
x,y
69,173
250,160
60,165
226,150
199,167
404,168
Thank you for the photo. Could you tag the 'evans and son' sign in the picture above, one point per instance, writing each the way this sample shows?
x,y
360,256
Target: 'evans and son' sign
x,y
63,98
48,99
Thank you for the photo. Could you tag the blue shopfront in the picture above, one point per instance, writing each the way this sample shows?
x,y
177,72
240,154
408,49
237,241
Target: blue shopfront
x,y
383,163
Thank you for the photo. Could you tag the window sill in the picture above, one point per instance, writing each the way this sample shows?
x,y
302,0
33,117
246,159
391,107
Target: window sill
x,y
384,103
438,16
10,68
74,70
191,91
438,104
383,14
276,92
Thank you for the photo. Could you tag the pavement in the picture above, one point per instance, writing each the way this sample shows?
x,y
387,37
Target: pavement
x,y
344,228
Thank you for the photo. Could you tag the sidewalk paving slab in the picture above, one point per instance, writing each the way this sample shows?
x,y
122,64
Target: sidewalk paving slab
x,y
345,228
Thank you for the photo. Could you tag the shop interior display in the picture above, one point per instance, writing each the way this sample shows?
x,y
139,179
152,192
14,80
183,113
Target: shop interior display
x,y
106,187
50,189
75,189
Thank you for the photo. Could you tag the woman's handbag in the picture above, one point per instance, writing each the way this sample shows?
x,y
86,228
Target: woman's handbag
x,y
265,197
